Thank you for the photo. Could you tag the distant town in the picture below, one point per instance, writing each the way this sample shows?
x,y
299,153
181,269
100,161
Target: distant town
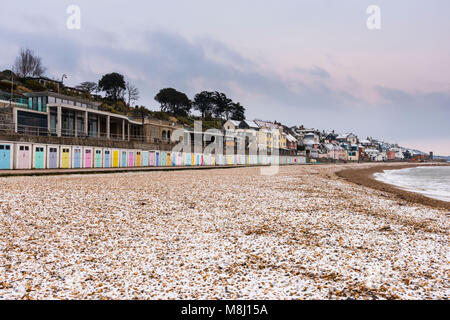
x,y
49,112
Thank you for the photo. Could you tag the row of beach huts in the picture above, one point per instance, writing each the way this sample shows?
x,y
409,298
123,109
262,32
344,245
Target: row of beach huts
x,y
18,155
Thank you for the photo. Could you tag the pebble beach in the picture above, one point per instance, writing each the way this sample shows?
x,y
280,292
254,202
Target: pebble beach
x,y
304,233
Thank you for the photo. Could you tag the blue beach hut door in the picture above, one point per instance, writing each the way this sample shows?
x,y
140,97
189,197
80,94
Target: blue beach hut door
x,y
53,158
77,158
5,156
124,158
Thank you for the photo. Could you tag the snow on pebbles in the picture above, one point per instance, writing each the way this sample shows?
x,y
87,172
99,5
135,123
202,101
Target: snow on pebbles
x,y
216,234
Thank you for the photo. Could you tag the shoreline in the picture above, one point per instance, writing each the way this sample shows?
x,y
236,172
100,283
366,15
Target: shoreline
x,y
364,177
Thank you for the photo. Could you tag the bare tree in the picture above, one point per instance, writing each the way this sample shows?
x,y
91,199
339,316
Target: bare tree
x,y
132,93
28,65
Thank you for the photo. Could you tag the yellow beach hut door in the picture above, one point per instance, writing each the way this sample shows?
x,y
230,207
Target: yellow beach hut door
x,y
65,160
115,159
138,159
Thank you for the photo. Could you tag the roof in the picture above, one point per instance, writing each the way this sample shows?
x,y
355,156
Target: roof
x,y
61,96
266,124
251,124
291,138
235,122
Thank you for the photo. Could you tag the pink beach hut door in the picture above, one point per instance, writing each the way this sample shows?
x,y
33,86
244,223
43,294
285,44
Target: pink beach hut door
x,y
24,157
130,159
88,159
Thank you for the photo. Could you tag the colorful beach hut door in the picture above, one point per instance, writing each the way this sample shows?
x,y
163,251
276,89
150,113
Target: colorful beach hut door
x,y
151,159
65,158
107,158
98,158
5,156
88,158
53,158
24,157
77,158
138,159
131,159
157,159
124,158
163,159
115,159
39,158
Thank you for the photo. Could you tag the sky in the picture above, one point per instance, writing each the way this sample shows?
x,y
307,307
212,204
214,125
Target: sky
x,y
298,62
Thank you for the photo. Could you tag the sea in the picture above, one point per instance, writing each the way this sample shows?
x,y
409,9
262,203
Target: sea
x,y
431,181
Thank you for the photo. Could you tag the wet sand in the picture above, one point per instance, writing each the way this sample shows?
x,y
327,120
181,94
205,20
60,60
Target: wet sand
x,y
365,177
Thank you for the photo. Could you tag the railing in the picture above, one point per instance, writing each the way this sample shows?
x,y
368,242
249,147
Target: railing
x,y
9,128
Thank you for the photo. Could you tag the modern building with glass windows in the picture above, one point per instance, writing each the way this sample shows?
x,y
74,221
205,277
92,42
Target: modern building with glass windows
x,y
49,113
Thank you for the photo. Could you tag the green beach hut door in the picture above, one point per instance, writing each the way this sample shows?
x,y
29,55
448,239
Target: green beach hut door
x,y
98,158
39,158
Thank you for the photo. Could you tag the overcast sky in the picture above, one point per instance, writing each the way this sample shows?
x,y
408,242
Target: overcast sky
x,y
299,62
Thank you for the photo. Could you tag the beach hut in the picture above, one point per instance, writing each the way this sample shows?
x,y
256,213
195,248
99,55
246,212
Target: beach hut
x,y
131,158
218,159
138,158
115,158
241,159
180,159
162,158
39,156
123,158
186,158
144,156
23,156
206,159
52,156
88,157
65,157
6,155
168,159
229,159
157,158
77,157
196,159
107,158
98,157
151,158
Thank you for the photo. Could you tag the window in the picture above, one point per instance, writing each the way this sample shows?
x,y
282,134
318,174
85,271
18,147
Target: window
x,y
2,147
7,147
88,151
22,148
27,148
